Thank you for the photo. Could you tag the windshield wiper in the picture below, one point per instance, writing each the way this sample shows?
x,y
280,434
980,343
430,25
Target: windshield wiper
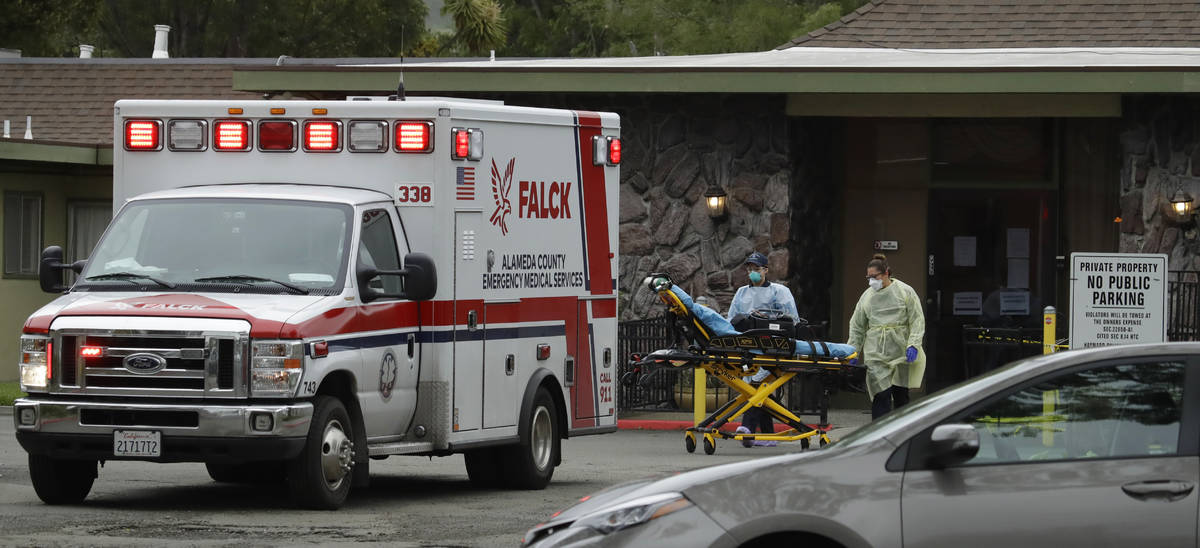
x,y
245,278
129,277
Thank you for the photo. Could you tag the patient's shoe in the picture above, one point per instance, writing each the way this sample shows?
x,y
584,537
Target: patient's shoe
x,y
744,430
768,443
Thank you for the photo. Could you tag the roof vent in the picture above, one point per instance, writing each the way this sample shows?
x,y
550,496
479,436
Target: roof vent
x,y
160,41
85,51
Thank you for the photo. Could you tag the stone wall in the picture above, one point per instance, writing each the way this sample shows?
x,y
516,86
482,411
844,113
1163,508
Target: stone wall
x,y
1160,146
675,146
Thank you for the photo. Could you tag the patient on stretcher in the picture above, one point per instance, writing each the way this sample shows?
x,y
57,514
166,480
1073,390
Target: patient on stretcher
x,y
720,327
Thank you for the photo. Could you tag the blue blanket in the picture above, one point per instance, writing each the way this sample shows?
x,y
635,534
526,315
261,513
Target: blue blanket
x,y
719,326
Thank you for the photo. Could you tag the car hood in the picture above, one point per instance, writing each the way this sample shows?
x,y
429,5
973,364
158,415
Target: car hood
x,y
270,316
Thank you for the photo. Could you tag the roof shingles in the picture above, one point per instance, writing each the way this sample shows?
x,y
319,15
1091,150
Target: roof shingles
x,y
73,102
937,24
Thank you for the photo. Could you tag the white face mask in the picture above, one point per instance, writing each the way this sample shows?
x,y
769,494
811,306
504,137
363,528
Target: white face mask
x,y
875,283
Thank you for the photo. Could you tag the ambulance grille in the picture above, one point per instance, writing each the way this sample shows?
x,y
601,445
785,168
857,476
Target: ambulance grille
x,y
194,365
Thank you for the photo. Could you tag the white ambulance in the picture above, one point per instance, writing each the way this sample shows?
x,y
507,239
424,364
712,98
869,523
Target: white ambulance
x,y
289,289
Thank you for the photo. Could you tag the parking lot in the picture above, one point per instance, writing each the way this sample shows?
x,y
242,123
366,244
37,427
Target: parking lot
x,y
413,501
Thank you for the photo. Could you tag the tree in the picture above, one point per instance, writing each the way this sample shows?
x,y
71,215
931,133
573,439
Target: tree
x,y
216,28
589,28
479,24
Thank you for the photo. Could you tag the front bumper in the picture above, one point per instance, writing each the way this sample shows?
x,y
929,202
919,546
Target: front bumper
x,y
82,429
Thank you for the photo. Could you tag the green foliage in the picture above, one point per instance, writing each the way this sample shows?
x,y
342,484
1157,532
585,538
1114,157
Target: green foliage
x,y
10,391
590,28
215,28
479,25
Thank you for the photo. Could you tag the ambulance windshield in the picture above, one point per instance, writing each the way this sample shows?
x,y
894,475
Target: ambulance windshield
x,y
243,245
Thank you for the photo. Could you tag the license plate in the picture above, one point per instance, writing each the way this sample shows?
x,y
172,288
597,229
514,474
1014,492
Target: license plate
x,y
137,443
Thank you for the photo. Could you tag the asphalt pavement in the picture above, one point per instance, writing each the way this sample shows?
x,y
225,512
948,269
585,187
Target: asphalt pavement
x,y
413,501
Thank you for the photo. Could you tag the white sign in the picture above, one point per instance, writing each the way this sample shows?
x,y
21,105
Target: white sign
x,y
887,245
1014,303
968,303
1118,298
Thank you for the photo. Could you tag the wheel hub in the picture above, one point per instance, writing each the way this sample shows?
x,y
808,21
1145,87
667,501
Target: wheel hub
x,y
541,438
337,455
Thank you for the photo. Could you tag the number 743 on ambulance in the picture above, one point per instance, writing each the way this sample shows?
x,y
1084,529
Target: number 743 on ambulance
x,y
288,290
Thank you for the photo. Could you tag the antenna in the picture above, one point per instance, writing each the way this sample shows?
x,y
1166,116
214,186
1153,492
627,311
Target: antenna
x,y
400,86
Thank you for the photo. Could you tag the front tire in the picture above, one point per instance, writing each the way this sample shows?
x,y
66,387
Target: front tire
x,y
485,467
531,462
59,481
320,477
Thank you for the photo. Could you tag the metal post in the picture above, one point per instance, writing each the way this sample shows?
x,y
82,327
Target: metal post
x,y
1049,318
699,396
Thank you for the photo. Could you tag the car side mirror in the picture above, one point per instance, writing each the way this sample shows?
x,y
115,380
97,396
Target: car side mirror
x,y
419,276
952,444
50,270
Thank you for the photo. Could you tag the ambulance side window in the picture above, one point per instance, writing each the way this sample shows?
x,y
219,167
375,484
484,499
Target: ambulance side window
x,y
378,248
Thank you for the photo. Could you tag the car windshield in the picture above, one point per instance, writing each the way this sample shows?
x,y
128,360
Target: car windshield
x,y
223,245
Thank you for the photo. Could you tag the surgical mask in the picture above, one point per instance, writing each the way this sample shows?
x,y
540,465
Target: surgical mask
x,y
875,283
755,277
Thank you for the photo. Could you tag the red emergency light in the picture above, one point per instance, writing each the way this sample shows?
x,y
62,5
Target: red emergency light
x,y
614,150
231,135
277,135
49,362
91,351
322,136
462,143
414,136
143,135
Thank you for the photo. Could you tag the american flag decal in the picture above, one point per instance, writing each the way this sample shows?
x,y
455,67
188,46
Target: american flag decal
x,y
464,185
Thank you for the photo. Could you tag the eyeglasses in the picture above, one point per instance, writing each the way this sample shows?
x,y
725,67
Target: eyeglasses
x,y
875,277
755,268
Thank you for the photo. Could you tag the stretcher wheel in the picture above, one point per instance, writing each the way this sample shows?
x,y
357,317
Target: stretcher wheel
x,y
824,440
804,444
689,442
710,444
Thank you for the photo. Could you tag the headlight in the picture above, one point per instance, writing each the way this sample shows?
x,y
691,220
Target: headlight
x,y
634,512
35,362
275,368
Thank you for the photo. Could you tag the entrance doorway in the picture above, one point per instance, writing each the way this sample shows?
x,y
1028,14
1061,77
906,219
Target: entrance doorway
x,y
992,241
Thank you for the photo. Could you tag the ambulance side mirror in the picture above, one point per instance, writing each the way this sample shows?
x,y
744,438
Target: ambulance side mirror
x,y
50,270
419,279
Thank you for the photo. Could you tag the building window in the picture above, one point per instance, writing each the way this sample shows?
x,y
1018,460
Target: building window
x,y
85,224
22,233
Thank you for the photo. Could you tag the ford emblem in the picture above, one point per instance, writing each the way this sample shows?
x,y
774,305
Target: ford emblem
x,y
144,363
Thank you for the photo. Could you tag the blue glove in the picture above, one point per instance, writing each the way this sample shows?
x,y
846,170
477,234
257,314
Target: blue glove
x,y
853,361
910,355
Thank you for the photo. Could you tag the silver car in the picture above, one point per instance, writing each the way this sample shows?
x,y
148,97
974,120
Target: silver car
x,y
1081,448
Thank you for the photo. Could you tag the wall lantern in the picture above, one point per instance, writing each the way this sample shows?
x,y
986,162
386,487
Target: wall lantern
x,y
1181,202
714,197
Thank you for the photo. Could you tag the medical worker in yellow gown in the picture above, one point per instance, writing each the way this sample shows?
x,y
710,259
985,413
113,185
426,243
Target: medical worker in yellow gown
x,y
886,329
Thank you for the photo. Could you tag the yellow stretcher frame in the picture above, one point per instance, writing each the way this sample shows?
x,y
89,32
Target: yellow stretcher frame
x,y
730,366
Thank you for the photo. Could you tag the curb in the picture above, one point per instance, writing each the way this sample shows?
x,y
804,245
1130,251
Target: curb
x,y
638,424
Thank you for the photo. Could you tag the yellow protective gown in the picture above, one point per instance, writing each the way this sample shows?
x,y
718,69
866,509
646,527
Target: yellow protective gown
x,y
885,323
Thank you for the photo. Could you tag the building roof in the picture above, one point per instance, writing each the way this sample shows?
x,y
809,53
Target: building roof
x,y
71,100
936,24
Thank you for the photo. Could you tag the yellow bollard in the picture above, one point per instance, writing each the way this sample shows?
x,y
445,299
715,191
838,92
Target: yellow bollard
x,y
699,396
1049,315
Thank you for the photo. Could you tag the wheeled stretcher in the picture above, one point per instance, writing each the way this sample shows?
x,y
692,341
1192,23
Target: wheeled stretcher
x,y
729,355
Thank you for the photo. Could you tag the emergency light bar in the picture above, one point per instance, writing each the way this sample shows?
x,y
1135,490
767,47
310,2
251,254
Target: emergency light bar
x,y
322,136
367,136
187,135
414,136
277,135
143,135
468,143
231,135
606,150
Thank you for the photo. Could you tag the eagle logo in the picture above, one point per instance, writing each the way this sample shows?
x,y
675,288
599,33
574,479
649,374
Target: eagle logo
x,y
500,188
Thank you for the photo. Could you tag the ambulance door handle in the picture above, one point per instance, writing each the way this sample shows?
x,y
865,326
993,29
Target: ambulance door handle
x,y
569,371
472,323
412,345
510,365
